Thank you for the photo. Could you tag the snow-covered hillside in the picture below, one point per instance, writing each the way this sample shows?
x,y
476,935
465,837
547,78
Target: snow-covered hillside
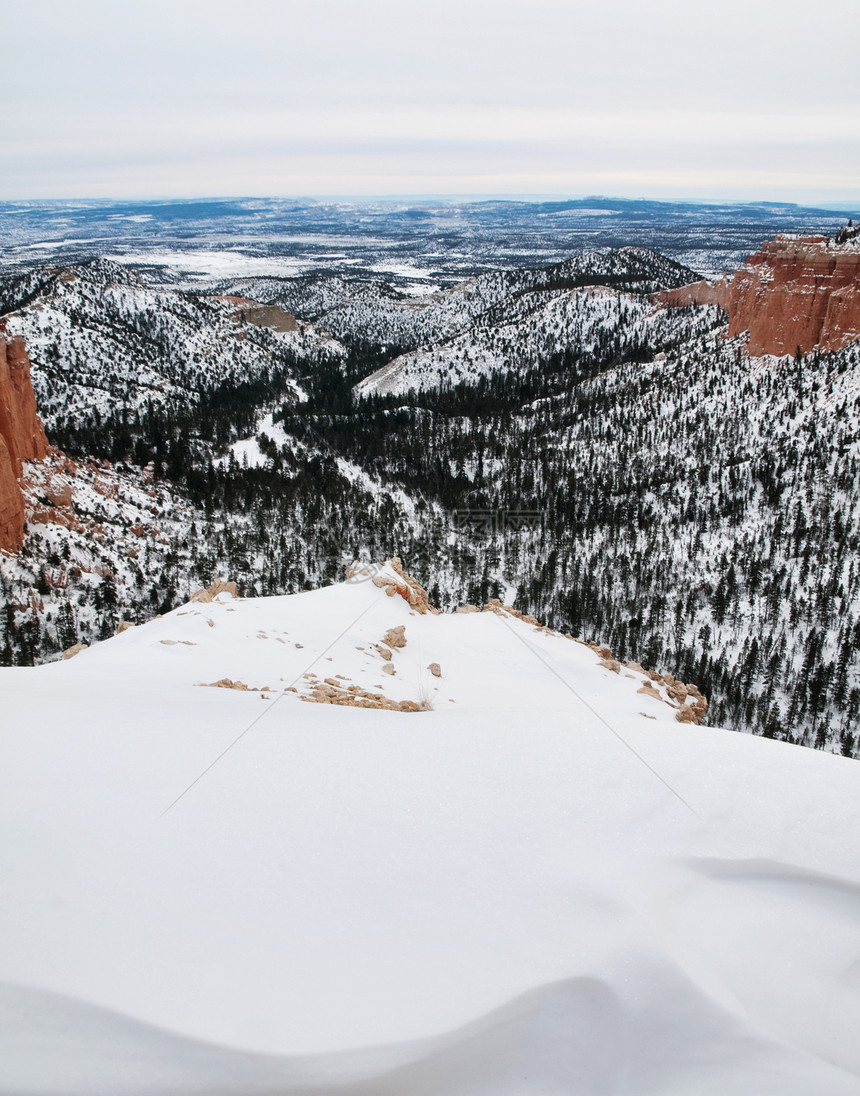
x,y
541,883
100,339
366,311
107,543
528,329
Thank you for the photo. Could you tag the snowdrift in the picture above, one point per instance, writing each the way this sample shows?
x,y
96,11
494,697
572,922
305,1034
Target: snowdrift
x,y
538,882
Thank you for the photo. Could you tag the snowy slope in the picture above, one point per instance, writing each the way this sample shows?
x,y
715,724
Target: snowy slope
x,y
531,328
544,884
385,314
99,338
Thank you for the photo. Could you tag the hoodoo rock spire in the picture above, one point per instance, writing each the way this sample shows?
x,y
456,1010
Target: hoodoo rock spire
x,y
22,436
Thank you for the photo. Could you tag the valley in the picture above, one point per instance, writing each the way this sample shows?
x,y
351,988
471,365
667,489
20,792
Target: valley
x,y
589,439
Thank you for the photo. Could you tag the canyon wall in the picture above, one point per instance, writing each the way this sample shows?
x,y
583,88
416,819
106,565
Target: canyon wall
x,y
22,436
797,291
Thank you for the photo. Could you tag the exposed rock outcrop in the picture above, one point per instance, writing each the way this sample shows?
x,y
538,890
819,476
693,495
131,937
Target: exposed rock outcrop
x,y
262,315
219,586
229,683
796,292
703,292
403,585
353,696
22,436
11,502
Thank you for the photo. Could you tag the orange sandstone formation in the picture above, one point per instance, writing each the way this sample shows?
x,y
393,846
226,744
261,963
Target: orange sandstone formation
x,y
797,291
11,502
22,436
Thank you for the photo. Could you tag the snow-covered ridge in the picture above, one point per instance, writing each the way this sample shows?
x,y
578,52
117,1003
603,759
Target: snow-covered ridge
x,y
520,332
410,656
526,888
356,309
100,338
508,321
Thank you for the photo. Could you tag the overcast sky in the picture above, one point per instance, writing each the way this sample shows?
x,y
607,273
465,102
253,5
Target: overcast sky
x,y
756,99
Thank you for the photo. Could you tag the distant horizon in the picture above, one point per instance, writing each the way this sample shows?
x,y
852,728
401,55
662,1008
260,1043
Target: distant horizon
x,y
847,206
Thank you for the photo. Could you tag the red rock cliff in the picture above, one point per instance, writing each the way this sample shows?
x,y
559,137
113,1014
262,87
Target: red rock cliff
x,y
798,291
22,436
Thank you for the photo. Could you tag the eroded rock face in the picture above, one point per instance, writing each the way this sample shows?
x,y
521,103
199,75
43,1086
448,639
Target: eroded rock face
x,y
20,424
22,436
262,315
797,292
11,503
704,292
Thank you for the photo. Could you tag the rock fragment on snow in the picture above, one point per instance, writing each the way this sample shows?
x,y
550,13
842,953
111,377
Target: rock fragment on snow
x,y
396,637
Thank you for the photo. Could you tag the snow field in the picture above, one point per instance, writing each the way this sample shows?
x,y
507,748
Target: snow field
x,y
496,896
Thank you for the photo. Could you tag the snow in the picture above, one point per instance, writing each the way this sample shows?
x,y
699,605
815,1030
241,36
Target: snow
x,y
419,289
534,326
49,245
207,264
545,884
404,270
247,451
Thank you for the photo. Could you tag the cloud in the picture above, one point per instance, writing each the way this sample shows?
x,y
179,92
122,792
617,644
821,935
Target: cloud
x,y
338,97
